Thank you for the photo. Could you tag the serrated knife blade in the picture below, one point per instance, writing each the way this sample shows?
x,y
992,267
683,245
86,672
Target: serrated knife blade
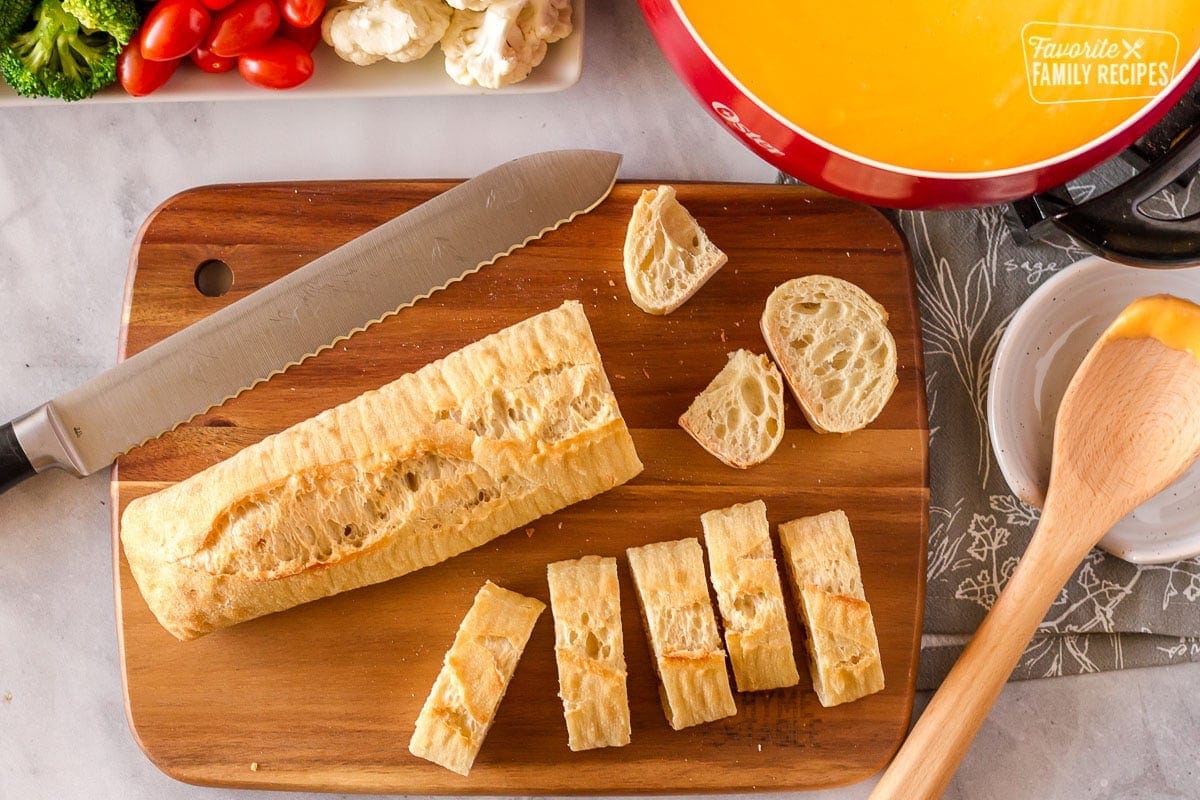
x,y
341,293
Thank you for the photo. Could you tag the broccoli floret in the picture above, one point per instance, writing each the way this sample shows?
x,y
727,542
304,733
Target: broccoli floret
x,y
118,17
59,57
13,16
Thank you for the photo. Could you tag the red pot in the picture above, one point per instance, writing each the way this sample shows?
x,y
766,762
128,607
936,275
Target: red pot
x,y
1074,84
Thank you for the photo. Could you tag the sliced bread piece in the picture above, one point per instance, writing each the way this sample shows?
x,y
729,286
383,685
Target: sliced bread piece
x,y
739,415
746,578
831,340
682,629
590,650
462,704
842,645
668,257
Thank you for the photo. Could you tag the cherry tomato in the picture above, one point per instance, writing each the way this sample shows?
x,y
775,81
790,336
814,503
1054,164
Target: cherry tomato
x,y
278,64
173,28
305,37
302,13
216,5
245,25
138,76
208,61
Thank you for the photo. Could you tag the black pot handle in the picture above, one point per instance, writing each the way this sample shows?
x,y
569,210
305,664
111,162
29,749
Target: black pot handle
x,y
1115,226
14,464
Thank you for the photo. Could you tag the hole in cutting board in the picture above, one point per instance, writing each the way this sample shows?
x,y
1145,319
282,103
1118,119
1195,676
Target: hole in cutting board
x,y
213,278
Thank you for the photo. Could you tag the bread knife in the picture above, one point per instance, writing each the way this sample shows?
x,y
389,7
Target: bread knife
x,y
329,299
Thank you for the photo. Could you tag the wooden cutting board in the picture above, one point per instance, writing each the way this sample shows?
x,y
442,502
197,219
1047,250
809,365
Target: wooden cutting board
x,y
324,696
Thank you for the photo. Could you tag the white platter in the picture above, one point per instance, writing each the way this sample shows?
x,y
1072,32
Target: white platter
x,y
336,78
1039,353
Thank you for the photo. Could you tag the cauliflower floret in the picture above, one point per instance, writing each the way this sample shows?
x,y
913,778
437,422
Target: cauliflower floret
x,y
550,19
502,43
398,30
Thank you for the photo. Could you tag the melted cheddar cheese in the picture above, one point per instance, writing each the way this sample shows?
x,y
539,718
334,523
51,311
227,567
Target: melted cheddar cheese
x,y
952,85
1173,321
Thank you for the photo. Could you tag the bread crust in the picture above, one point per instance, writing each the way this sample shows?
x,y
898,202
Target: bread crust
x,y
461,706
750,597
514,426
682,629
589,647
841,641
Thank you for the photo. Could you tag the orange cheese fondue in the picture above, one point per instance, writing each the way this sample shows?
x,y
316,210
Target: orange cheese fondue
x,y
952,85
1171,320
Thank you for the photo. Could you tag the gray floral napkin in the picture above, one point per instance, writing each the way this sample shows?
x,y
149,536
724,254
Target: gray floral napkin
x,y
972,275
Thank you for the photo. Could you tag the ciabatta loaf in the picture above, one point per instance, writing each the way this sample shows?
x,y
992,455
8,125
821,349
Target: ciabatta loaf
x,y
832,342
514,426
739,416
681,627
668,256
842,646
462,705
746,578
585,599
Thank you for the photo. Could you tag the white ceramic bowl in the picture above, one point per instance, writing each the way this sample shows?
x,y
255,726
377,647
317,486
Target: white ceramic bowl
x,y
1043,346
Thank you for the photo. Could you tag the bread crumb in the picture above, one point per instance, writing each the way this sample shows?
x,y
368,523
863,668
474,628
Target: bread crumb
x,y
621,377
254,766
8,697
529,532
611,283
723,338
760,748
646,372
560,526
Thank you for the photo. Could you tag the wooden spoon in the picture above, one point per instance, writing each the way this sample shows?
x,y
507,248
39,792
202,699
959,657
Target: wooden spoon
x,y
1128,426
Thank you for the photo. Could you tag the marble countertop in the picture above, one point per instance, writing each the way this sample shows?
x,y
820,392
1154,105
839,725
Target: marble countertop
x,y
75,184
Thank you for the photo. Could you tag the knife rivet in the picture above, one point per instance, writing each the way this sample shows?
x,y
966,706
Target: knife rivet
x,y
213,278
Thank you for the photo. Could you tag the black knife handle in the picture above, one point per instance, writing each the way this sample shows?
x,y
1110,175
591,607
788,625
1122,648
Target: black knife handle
x,y
14,465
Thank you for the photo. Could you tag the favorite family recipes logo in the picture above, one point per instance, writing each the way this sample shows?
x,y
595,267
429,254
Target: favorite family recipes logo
x,y
1085,63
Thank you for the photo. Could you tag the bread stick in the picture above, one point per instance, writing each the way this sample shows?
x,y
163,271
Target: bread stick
x,y
585,599
749,596
842,645
475,674
681,627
